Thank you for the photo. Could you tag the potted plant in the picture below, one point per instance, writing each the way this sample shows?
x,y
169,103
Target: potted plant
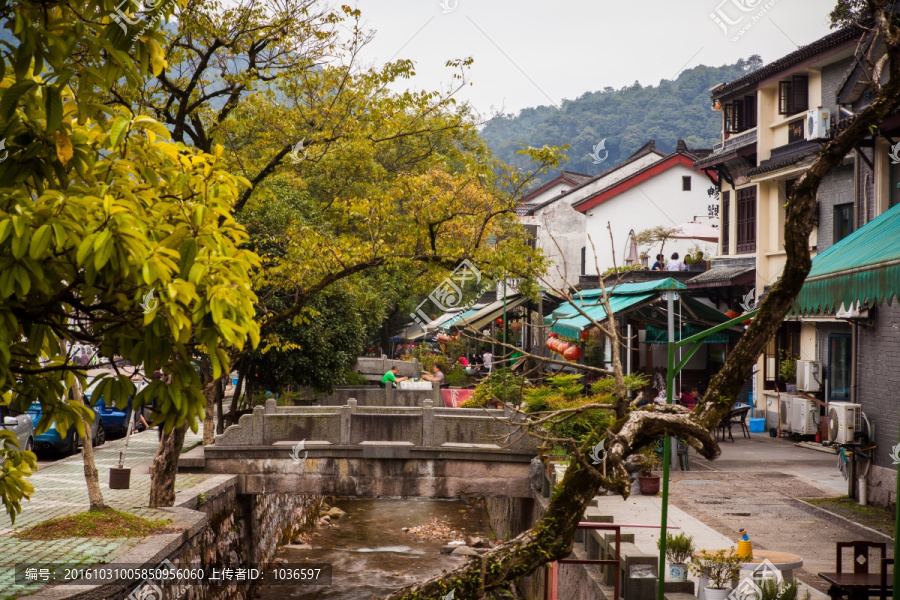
x,y
719,569
788,371
679,550
648,460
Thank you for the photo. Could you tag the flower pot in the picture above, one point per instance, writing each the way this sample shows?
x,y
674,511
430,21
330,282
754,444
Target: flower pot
x,y
649,485
714,594
119,479
791,388
678,572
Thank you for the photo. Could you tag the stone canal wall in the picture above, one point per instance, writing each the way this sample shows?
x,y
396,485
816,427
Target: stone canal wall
x,y
217,526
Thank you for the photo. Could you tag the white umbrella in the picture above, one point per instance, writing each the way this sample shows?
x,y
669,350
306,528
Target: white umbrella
x,y
696,231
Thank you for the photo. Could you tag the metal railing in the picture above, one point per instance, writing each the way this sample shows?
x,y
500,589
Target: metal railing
x,y
550,572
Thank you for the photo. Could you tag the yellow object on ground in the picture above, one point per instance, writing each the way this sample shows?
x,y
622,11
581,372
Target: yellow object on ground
x,y
745,549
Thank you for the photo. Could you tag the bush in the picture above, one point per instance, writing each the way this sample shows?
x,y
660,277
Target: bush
x,y
607,385
679,548
500,386
719,568
354,378
567,391
457,377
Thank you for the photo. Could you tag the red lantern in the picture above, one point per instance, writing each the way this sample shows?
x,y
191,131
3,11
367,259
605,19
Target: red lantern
x,y
573,353
562,347
552,335
585,335
549,344
499,321
731,314
747,322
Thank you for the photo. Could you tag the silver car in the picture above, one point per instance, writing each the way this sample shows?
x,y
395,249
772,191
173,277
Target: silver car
x,y
21,425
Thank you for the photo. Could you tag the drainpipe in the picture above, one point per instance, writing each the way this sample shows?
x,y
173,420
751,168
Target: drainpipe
x,y
854,350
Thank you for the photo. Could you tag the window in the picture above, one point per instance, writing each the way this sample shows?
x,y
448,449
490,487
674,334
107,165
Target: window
x,y
894,173
746,220
838,380
793,95
784,344
726,224
789,188
531,231
843,221
740,115
686,183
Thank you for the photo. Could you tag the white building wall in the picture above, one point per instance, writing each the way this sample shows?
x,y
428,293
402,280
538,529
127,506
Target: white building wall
x,y
657,201
550,192
560,235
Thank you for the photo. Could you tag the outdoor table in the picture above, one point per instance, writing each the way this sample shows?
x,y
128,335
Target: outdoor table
x,y
856,585
783,561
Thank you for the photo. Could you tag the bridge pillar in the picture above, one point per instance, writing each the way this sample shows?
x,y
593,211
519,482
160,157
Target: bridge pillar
x,y
427,423
346,416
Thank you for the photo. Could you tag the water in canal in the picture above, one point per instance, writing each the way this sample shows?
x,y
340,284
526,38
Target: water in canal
x,y
370,554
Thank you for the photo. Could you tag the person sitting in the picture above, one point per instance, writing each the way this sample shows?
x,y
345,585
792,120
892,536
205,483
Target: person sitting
x,y
437,376
660,263
391,377
688,398
675,264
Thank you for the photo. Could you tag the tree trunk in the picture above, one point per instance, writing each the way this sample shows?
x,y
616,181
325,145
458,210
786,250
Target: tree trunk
x,y
220,413
209,422
165,467
91,476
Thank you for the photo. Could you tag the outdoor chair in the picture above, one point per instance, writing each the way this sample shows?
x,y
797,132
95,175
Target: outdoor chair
x,y
739,417
858,583
684,462
725,426
886,588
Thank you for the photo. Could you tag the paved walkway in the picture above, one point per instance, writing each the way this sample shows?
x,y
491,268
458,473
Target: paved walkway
x,y
60,490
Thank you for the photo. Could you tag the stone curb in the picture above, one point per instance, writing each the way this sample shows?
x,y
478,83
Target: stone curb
x,y
152,550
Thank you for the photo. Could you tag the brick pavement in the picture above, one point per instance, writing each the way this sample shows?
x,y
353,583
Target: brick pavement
x,y
60,490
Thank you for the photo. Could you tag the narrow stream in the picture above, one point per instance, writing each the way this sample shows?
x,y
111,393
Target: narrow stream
x,y
371,555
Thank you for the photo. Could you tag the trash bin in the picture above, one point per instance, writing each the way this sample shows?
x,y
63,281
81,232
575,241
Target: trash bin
x,y
757,425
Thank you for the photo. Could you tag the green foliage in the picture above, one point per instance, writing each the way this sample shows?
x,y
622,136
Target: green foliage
x,y
567,392
500,386
633,381
321,349
352,377
788,368
18,465
679,548
457,377
720,568
786,590
626,118
623,269
648,459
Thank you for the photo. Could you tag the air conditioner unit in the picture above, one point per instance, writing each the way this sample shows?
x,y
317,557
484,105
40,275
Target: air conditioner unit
x,y
784,413
809,378
818,124
804,416
844,421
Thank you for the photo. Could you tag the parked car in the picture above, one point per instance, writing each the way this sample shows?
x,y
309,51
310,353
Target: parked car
x,y
20,424
115,420
52,441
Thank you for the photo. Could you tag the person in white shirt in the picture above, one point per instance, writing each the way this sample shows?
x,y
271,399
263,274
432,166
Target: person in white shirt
x,y
488,361
676,264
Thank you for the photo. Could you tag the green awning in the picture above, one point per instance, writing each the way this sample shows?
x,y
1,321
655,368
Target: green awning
x,y
656,335
569,322
483,316
446,324
863,267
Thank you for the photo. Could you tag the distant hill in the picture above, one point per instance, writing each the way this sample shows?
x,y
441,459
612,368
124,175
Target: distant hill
x,y
626,118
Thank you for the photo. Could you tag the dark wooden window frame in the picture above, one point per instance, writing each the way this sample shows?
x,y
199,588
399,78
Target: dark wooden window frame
x,y
685,183
793,95
746,221
847,217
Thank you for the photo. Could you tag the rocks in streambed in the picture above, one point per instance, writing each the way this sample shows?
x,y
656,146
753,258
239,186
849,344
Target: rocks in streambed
x,y
464,551
334,513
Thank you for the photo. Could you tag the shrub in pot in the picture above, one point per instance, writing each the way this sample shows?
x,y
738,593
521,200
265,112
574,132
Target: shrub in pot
x,y
679,549
719,569
648,460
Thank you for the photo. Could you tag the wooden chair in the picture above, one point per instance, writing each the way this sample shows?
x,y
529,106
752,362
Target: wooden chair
x,y
861,551
886,588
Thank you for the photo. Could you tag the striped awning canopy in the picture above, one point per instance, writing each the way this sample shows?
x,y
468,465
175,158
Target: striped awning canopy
x,y
862,268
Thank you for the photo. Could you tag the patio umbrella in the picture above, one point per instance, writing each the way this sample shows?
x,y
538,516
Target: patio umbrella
x,y
631,250
693,230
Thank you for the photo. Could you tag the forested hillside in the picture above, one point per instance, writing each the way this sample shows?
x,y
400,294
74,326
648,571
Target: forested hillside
x,y
624,118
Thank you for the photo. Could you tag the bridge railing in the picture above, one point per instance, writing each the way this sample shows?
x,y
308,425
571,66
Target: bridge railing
x,y
352,425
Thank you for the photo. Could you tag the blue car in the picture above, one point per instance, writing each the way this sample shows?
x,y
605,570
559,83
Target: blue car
x,y
52,441
115,420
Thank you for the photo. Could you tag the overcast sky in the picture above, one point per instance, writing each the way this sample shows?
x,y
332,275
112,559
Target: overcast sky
x,y
531,52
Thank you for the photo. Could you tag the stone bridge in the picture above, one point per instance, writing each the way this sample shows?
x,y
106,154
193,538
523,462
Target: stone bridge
x,y
372,451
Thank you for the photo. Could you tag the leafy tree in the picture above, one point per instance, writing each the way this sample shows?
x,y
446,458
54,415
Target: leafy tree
x,y
99,212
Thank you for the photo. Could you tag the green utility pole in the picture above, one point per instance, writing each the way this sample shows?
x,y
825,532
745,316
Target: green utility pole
x,y
504,335
695,342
